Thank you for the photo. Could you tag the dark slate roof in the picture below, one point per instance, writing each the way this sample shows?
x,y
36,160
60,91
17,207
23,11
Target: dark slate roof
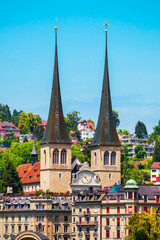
x,y
34,150
56,131
106,134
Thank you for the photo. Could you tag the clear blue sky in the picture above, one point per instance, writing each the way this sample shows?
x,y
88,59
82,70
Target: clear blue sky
x,y
27,54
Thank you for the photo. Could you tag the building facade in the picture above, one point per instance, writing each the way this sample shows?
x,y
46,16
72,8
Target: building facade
x,y
155,173
48,215
8,129
99,216
87,129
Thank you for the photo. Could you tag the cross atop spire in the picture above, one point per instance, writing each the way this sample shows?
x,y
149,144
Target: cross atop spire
x,y
106,26
56,131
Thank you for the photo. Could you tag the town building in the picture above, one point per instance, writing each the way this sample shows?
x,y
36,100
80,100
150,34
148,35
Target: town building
x,y
50,216
85,180
132,141
8,129
30,173
87,129
155,172
99,215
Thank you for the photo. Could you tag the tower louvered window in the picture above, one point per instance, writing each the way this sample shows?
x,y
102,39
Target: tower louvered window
x,y
113,158
63,156
106,158
56,156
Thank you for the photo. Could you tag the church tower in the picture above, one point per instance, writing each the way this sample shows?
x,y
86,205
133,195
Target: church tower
x,y
56,145
105,148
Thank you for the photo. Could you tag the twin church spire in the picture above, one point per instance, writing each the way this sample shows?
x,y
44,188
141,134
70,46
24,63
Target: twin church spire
x,y
106,134
56,131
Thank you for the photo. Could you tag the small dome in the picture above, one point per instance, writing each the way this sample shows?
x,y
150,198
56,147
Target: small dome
x,y
131,184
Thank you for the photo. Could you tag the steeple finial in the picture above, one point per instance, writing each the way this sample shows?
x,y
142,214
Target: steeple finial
x,y
106,25
56,131
34,153
106,134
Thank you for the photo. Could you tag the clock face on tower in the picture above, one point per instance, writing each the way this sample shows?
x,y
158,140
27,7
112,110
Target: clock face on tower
x,y
86,177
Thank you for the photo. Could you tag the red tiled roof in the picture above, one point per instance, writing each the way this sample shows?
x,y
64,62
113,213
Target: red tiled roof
x,y
32,174
155,165
44,123
23,169
4,124
90,124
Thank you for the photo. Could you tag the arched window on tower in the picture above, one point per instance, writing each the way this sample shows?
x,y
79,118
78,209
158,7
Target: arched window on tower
x,y
56,156
45,156
95,158
113,158
63,156
106,158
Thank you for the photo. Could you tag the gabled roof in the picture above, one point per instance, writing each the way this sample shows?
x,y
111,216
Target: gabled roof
x,y
23,168
5,124
155,165
29,173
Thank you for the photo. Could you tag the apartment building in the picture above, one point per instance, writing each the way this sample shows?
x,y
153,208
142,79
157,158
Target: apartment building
x,y
155,173
48,215
98,216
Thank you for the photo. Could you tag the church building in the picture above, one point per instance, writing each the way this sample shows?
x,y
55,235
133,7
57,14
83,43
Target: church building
x,y
55,173
105,147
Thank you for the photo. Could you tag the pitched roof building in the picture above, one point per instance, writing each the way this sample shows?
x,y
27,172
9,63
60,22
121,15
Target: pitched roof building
x,y
8,129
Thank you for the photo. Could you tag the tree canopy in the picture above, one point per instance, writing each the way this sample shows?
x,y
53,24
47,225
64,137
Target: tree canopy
x,y
116,118
156,153
145,226
140,130
10,177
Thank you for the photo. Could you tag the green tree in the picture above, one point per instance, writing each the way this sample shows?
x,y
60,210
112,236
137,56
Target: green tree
x,y
156,153
89,120
126,132
76,152
38,132
15,117
73,120
10,177
138,148
155,133
140,130
5,114
119,130
22,123
140,153
116,118
32,121
145,226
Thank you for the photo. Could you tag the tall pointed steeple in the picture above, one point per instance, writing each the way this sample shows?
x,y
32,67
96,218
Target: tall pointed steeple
x,y
106,134
56,131
34,154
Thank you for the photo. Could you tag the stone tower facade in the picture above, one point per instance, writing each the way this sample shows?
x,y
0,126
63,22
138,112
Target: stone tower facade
x,y
105,148
56,145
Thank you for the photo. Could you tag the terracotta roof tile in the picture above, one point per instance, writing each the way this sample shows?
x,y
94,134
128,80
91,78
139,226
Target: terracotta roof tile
x,y
155,165
33,174
29,173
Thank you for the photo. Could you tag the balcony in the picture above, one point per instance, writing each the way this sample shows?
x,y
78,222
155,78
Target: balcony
x,y
93,223
87,233
86,213
80,234
95,234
